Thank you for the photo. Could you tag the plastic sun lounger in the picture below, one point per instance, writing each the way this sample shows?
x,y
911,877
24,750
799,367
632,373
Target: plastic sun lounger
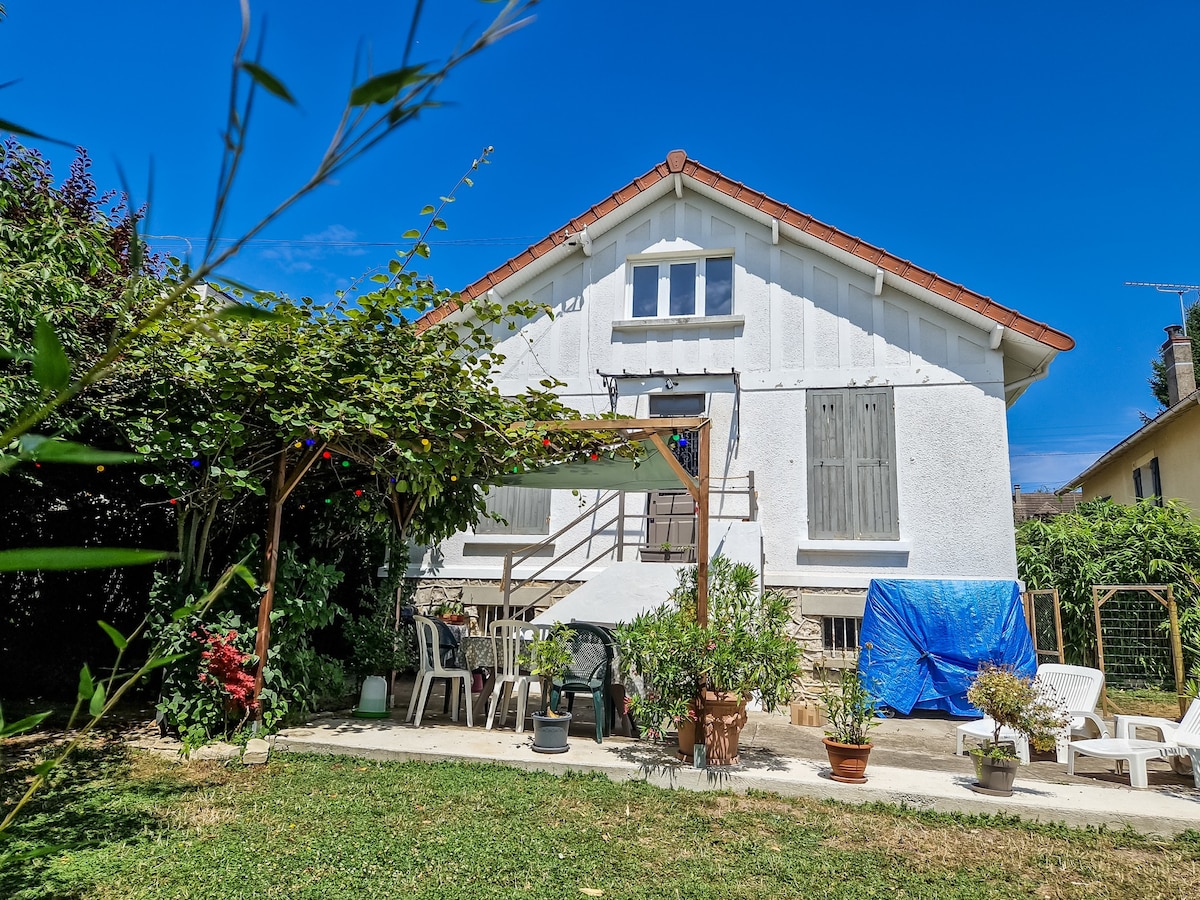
x,y
1134,752
1178,739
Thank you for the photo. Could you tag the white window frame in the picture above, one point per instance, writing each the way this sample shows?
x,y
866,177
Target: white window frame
x,y
664,261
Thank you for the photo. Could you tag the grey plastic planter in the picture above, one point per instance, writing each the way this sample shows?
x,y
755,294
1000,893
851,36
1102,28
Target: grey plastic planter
x,y
550,733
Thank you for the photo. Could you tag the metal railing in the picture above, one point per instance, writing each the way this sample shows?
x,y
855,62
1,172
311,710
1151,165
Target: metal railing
x,y
516,557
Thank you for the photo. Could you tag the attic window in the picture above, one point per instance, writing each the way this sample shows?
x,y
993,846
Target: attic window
x,y
682,287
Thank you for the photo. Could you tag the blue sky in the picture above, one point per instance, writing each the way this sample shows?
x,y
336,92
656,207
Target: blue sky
x,y
1041,154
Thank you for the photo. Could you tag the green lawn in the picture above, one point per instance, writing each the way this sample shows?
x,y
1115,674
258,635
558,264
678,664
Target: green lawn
x,y
319,827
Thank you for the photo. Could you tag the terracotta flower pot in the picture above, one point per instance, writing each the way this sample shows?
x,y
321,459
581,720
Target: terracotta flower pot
x,y
848,761
686,734
724,718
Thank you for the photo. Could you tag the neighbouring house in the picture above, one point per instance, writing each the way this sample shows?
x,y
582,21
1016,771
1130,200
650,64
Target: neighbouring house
x,y
1162,458
857,403
1042,504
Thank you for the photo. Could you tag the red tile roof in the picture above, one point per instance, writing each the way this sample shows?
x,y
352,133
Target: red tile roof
x,y
677,163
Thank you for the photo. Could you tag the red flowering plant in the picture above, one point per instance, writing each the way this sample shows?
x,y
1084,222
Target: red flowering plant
x,y
223,666
215,699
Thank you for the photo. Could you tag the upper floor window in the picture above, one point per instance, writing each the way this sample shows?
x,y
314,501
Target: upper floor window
x,y
523,510
676,287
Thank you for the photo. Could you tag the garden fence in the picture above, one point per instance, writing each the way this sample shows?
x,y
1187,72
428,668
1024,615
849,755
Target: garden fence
x,y
1137,639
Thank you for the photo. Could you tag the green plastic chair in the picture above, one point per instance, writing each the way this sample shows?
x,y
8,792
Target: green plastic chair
x,y
590,672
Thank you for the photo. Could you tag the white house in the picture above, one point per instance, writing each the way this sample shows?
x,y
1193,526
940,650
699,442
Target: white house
x,y
866,395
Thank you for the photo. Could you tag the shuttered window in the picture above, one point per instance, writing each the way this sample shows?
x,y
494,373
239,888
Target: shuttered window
x,y
525,511
852,465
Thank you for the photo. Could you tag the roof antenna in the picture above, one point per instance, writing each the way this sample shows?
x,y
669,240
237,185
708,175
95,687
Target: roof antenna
x,y
1179,289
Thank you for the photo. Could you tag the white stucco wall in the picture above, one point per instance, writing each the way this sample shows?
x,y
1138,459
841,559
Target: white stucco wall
x,y
801,320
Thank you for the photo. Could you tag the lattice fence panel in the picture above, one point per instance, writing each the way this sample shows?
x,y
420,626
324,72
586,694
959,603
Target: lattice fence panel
x,y
1137,637
1045,624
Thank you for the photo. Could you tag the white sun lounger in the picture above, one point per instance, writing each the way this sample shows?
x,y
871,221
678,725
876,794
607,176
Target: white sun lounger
x,y
1178,739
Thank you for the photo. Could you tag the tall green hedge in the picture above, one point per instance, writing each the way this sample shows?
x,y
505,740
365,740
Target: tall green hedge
x,y
1102,542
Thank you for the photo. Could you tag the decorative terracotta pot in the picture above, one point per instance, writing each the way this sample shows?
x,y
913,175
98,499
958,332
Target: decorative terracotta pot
x,y
848,761
724,718
686,732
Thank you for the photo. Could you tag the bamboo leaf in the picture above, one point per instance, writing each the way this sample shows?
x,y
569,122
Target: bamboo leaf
x,y
118,639
21,725
97,705
51,369
37,448
6,125
268,82
165,661
384,88
247,313
246,575
57,559
35,853
86,686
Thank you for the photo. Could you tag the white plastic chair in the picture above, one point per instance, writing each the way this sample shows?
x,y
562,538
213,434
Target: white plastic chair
x,y
1076,689
1178,739
430,651
507,635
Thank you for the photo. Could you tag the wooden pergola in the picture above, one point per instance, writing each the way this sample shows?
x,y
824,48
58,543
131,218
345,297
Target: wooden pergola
x,y
653,430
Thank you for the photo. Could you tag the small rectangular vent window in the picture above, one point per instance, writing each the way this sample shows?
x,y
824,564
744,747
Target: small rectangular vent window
x,y
840,632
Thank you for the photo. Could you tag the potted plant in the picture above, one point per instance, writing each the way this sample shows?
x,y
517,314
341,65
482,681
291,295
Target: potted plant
x,y
664,645
1011,701
668,552
548,657
378,647
850,709
744,648
452,612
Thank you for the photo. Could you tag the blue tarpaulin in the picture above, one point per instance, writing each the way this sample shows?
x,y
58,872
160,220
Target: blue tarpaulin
x,y
923,641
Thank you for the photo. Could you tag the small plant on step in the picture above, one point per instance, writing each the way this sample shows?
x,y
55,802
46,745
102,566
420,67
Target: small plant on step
x,y
1012,700
548,657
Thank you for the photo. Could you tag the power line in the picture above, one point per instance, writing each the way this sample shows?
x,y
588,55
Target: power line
x,y
316,242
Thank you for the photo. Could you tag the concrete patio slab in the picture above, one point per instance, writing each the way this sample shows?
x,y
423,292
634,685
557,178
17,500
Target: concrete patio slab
x,y
913,766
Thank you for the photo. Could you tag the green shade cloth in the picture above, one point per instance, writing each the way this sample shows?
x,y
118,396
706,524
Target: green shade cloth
x,y
652,473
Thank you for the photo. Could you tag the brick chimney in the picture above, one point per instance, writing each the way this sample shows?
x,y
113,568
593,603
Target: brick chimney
x,y
1177,357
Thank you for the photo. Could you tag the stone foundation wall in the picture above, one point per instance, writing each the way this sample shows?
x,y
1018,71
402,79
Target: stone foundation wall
x,y
482,597
810,606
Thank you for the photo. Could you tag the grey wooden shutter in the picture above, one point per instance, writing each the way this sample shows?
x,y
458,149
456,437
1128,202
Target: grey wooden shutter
x,y
1156,481
874,479
525,510
852,465
1137,484
828,451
